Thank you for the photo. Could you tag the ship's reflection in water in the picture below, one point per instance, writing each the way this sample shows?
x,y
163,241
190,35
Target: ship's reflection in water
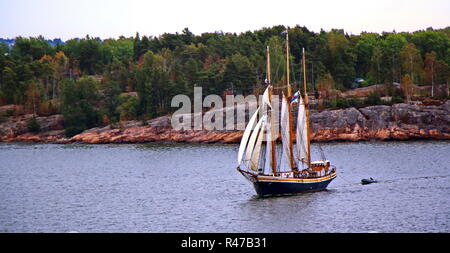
x,y
195,188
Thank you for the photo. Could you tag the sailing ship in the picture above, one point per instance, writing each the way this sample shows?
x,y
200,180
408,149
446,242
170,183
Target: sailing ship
x,y
259,159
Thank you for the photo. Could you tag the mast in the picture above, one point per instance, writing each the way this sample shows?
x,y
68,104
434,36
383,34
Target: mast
x,y
289,94
287,63
272,118
307,109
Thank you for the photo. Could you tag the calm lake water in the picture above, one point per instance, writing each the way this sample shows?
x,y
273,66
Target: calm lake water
x,y
195,188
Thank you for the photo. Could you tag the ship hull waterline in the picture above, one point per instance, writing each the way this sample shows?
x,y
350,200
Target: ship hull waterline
x,y
275,186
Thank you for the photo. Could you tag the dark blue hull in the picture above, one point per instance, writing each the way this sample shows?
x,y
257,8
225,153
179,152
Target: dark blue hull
x,y
288,188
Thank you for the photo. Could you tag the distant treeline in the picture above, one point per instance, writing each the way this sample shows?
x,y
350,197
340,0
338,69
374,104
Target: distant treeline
x,y
94,82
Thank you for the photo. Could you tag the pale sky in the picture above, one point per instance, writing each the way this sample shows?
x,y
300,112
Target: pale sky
x,y
68,19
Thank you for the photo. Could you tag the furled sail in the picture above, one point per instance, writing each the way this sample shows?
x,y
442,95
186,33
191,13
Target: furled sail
x,y
285,134
245,137
301,134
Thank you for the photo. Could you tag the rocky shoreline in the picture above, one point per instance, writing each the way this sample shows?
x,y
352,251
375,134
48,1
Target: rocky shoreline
x,y
380,122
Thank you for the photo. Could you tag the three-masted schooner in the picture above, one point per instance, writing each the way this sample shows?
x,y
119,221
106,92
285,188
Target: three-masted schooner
x,y
259,159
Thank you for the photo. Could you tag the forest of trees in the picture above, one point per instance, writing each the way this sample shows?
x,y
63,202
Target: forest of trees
x,y
94,82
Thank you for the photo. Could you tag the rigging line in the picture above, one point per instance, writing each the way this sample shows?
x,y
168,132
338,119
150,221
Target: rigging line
x,y
292,68
345,186
281,87
343,178
277,69
322,154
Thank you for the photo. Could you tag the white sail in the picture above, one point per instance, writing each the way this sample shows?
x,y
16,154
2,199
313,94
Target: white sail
x,y
264,103
246,135
265,129
252,142
268,145
285,134
257,149
301,134
265,99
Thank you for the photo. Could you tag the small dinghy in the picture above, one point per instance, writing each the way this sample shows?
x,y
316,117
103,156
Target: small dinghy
x,y
368,181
